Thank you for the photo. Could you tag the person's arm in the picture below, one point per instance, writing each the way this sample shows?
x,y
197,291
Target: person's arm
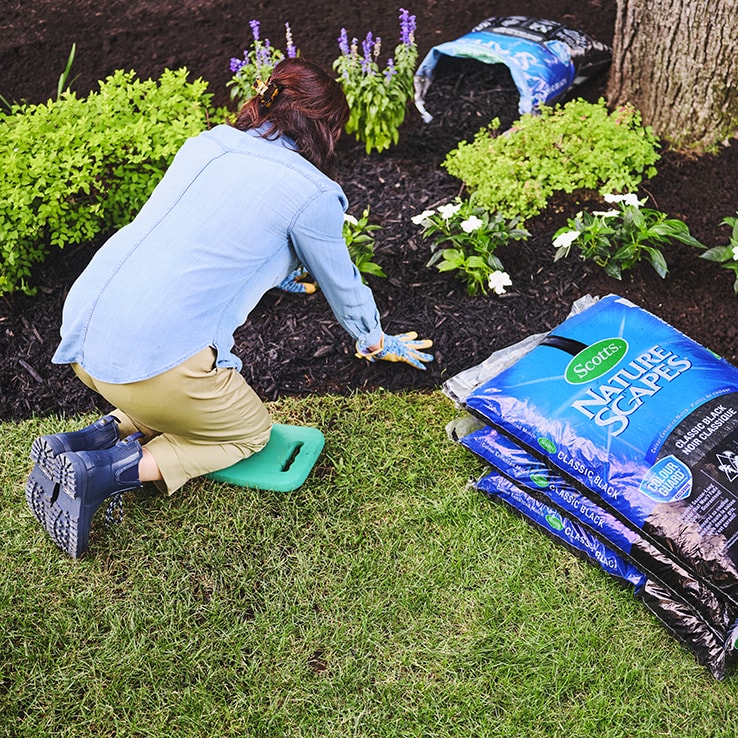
x,y
317,237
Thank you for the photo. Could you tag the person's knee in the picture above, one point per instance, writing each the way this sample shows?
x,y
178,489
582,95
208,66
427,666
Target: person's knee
x,y
257,440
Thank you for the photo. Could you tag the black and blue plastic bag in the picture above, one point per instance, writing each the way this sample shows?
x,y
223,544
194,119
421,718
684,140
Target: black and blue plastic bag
x,y
710,645
545,58
642,420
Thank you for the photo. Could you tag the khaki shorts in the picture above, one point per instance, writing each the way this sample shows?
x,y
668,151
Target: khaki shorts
x,y
196,418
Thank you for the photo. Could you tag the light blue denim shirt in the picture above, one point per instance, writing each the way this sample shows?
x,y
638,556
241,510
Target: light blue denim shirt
x,y
231,218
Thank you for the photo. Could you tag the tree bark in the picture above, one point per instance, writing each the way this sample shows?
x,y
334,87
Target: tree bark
x,y
677,62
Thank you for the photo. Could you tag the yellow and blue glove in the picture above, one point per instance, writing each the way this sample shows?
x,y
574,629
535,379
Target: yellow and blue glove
x,y
403,347
298,282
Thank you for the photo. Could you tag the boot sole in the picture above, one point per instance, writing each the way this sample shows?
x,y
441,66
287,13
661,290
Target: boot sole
x,y
69,481
41,494
46,456
66,520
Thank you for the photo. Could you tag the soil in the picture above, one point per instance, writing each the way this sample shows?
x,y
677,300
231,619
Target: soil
x,y
291,344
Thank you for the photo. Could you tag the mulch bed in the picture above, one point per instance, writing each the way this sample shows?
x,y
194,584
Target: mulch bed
x,y
292,345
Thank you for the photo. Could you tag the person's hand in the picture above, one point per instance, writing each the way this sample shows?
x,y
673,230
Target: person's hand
x,y
403,347
298,282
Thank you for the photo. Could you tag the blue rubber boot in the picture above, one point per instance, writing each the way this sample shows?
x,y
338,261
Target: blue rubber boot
x,y
41,493
87,479
46,450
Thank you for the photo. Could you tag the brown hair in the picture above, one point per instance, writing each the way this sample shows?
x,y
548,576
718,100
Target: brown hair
x,y
309,107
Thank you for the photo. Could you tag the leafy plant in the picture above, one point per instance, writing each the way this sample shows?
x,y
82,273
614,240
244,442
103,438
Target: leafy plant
x,y
619,238
727,255
73,168
257,63
64,83
579,145
377,98
465,236
357,233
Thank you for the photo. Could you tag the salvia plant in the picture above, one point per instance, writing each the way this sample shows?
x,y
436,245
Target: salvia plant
x,y
619,238
727,255
377,96
359,236
257,63
465,237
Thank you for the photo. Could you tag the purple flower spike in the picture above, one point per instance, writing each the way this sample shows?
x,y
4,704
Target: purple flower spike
x,y
263,55
291,50
407,27
236,64
390,71
366,46
255,28
343,43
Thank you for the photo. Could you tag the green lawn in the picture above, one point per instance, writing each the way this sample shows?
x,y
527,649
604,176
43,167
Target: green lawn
x,y
385,597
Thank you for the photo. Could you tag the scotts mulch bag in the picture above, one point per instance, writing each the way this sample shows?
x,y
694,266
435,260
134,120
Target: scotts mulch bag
x,y
545,58
684,622
642,420
533,476
682,595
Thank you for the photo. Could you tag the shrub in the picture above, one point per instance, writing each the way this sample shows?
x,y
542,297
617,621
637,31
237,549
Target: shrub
x,y
579,145
76,167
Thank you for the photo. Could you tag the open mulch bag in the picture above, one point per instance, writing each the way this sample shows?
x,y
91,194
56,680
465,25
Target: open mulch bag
x,y
545,58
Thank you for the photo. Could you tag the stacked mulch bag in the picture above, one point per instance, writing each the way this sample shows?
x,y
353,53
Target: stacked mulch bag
x,y
618,435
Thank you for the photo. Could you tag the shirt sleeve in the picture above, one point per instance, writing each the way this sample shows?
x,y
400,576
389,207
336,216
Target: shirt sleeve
x,y
317,237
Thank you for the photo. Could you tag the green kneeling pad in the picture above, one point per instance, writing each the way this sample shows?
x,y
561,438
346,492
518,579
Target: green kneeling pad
x,y
282,465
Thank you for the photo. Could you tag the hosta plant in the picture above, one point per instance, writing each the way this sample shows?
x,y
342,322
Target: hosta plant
x,y
619,238
465,237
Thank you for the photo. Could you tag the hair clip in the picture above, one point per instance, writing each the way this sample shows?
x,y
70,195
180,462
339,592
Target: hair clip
x,y
266,92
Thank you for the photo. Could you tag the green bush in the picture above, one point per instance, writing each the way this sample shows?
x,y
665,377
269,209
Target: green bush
x,y
579,145
73,168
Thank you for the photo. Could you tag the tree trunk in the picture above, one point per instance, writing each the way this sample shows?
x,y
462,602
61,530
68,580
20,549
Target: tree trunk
x,y
677,62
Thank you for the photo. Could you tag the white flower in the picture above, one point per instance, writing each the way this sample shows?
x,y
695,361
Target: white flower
x,y
472,223
606,213
449,209
735,253
350,219
629,199
566,239
422,219
498,281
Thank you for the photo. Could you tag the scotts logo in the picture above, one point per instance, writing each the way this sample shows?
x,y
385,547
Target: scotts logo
x,y
595,360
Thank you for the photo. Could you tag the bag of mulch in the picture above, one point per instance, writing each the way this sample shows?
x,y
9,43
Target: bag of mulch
x,y
685,623
642,420
532,476
545,58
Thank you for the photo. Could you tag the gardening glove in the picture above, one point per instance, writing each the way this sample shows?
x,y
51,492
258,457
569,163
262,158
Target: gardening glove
x,y
403,348
298,282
